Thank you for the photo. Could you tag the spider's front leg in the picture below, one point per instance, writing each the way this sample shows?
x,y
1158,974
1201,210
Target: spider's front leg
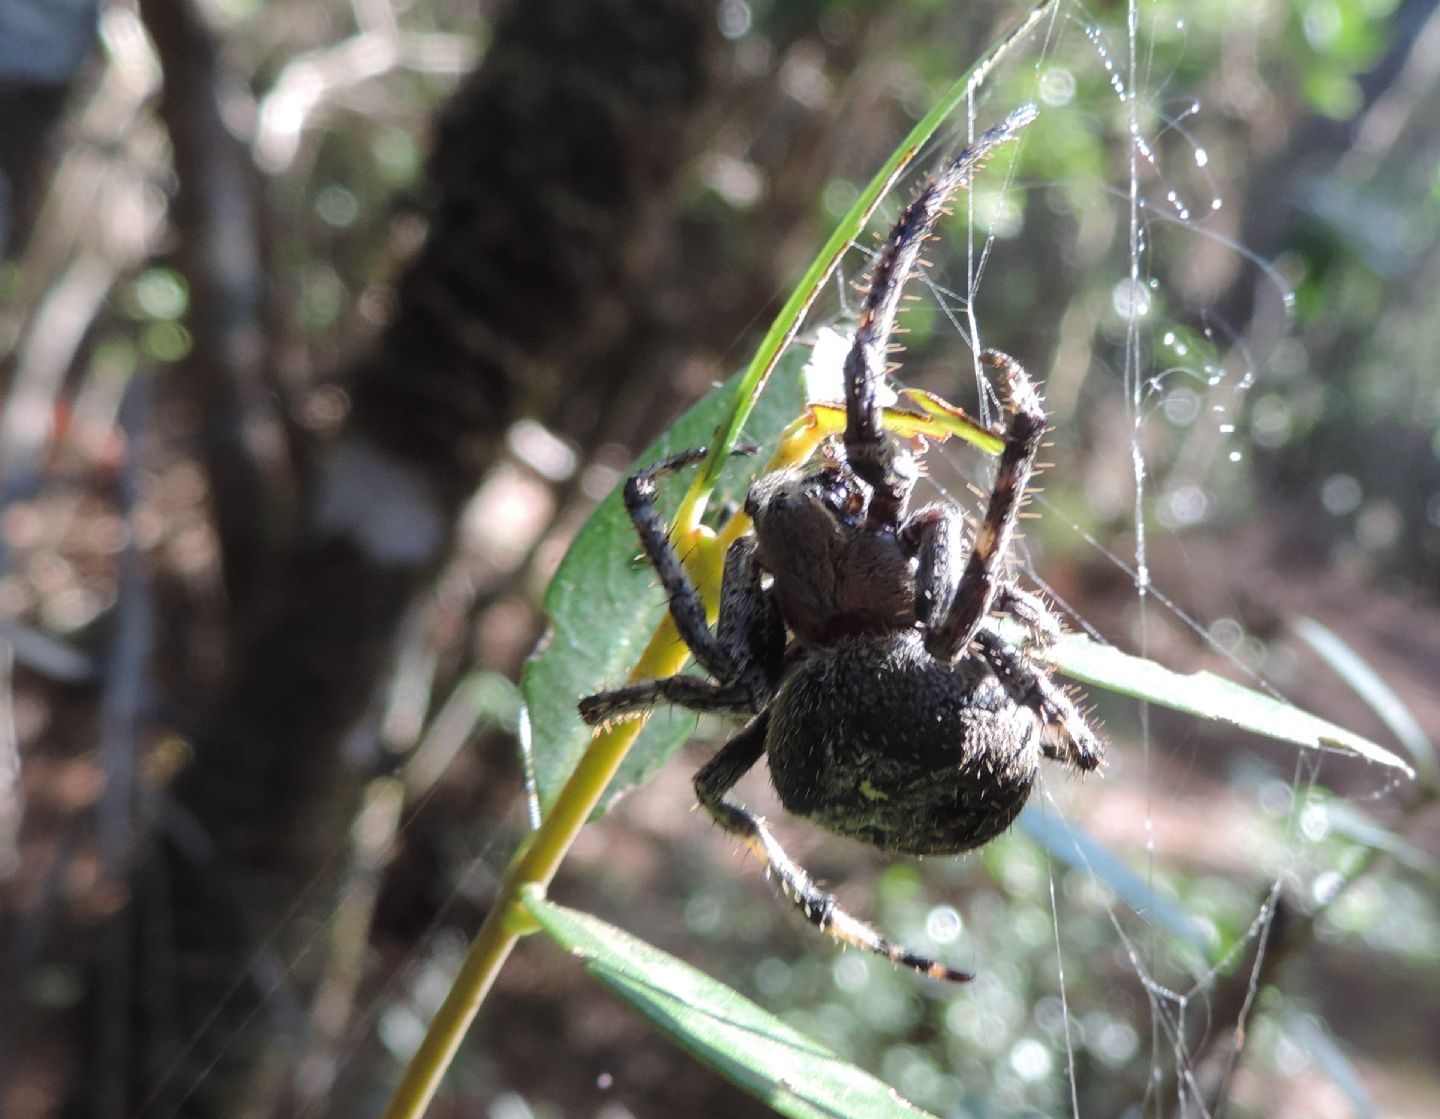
x,y
935,535
687,608
821,909
744,652
956,624
868,449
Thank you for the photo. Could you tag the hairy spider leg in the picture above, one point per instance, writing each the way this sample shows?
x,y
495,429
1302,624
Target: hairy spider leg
x,y
1067,736
687,608
689,692
1031,611
866,447
821,909
956,625
935,535
749,633
750,626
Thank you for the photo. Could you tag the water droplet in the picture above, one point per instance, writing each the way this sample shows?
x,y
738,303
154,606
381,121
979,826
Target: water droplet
x,y
1057,86
1315,822
1340,494
1030,1060
1131,300
943,924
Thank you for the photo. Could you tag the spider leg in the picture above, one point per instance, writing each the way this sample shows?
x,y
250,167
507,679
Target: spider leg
x,y
689,692
866,447
1067,736
687,608
750,627
750,632
935,535
1031,611
821,909
979,584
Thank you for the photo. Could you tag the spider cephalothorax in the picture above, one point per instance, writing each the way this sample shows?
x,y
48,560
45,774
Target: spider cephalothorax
x,y
854,632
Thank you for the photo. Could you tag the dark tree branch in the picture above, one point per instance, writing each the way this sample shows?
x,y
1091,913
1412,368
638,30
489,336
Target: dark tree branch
x,y
217,215
549,163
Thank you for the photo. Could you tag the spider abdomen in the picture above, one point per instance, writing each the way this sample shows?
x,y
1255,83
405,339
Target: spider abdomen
x,y
873,738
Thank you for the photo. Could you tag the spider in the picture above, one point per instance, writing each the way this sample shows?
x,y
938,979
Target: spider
x,y
854,633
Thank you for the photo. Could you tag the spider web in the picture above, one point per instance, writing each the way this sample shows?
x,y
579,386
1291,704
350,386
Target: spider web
x,y
1175,323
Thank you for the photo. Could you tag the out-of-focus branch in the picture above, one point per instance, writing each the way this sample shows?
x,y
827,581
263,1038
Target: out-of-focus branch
x,y
216,213
93,225
312,80
549,163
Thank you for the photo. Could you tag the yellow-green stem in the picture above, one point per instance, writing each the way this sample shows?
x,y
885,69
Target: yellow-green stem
x,y
535,863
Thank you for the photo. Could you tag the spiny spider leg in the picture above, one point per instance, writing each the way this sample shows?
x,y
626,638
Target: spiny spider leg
x,y
821,909
683,691
866,447
687,608
1068,737
956,625
749,632
1041,625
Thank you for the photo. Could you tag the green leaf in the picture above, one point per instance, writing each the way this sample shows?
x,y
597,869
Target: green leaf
x,y
604,603
793,1074
1366,683
1208,696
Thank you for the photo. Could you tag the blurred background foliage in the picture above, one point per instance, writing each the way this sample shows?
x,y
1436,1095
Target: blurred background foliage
x,y
1262,356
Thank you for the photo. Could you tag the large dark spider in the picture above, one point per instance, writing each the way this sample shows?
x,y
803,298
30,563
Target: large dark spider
x,y
855,633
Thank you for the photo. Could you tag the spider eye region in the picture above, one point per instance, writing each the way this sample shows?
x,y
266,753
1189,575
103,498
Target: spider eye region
x,y
792,502
842,493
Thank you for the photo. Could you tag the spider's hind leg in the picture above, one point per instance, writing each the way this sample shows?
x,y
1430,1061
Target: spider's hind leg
x,y
1068,736
821,909
680,691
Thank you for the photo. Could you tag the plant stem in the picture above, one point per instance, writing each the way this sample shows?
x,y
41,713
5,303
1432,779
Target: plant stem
x,y
534,864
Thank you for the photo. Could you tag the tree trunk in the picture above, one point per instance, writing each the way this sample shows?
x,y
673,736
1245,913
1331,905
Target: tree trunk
x,y
548,162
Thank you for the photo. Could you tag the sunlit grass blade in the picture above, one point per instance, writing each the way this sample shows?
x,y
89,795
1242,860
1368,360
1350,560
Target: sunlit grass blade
x,y
1316,1040
794,1075
1207,696
1358,826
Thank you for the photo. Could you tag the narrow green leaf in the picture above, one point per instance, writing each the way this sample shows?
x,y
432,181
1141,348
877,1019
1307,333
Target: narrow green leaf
x,y
604,603
1069,843
1369,686
1315,1038
1358,826
793,1074
1208,696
